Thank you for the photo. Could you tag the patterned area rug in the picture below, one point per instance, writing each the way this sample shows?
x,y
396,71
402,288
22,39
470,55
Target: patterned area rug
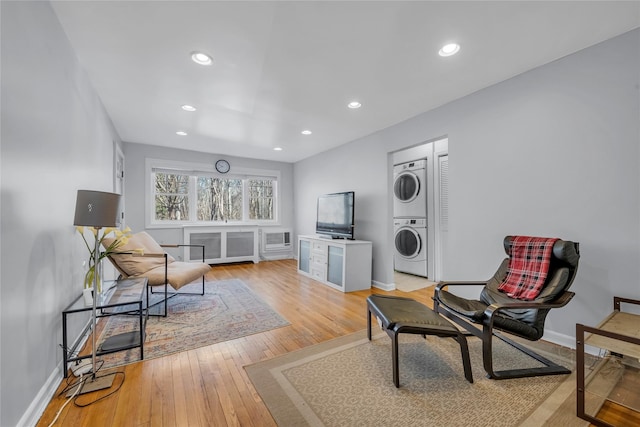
x,y
348,382
228,310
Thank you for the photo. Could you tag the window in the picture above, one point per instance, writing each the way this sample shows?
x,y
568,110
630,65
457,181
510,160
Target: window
x,y
219,199
180,194
261,199
171,197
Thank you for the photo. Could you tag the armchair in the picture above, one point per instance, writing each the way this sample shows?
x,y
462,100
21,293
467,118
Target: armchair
x,y
522,316
160,268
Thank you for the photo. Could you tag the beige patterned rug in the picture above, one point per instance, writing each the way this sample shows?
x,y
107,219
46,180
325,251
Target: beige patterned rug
x,y
348,382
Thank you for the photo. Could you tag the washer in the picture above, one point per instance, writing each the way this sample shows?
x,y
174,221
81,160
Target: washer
x,y
410,190
410,237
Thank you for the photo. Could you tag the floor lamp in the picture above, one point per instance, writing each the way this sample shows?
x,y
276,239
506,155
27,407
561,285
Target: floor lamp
x,y
96,209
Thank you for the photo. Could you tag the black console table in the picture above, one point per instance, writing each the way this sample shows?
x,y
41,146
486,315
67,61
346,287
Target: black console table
x,y
125,297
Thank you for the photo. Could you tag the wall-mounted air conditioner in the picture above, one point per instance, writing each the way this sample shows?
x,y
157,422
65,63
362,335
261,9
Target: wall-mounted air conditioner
x,y
275,240
275,243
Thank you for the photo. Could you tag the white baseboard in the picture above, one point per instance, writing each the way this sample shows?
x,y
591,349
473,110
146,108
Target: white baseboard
x,y
568,341
560,339
384,286
276,256
42,399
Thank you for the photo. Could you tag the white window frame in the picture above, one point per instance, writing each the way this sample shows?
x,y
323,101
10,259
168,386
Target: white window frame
x,y
194,169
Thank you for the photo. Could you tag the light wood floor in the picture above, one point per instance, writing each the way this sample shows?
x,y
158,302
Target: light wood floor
x,y
208,386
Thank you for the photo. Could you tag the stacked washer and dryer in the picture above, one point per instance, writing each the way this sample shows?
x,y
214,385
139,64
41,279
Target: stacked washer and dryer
x,y
410,217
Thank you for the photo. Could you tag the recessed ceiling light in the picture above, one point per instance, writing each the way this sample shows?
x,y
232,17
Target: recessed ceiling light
x,y
277,149
449,49
306,132
354,104
181,133
201,58
186,107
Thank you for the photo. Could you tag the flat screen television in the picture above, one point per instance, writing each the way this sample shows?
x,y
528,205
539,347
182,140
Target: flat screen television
x,y
336,215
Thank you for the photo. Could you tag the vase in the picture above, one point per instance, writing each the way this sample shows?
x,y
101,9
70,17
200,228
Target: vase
x,y
89,283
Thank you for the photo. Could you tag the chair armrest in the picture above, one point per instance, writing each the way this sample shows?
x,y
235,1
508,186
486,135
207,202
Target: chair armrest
x,y
561,301
138,254
180,245
618,300
440,286
153,255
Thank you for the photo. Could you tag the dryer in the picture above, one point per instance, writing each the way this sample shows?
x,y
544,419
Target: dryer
x,y
410,253
410,190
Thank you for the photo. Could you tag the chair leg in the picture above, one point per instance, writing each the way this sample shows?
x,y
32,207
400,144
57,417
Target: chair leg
x,y
166,297
550,368
166,289
163,301
368,322
203,274
466,362
486,335
166,292
394,355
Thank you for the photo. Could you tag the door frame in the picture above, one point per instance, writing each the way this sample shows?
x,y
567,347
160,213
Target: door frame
x,y
431,151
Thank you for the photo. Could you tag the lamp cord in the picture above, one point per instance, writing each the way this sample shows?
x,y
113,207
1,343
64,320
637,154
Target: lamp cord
x,y
80,383
84,405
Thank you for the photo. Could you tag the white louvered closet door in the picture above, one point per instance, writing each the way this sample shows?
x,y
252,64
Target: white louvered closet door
x,y
441,211
443,175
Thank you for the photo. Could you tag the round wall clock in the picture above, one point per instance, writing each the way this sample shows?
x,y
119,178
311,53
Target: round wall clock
x,y
223,166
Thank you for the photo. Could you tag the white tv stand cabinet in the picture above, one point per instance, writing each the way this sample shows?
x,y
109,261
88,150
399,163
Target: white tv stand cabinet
x,y
344,265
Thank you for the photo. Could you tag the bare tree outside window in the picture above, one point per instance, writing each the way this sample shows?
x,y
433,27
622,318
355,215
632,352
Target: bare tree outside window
x,y
261,199
219,199
172,197
191,197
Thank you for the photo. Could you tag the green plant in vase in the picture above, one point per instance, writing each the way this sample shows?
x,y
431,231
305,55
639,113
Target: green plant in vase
x,y
121,239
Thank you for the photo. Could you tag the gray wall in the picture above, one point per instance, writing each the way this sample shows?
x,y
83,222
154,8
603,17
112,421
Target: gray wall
x,y
564,136
551,152
135,155
56,139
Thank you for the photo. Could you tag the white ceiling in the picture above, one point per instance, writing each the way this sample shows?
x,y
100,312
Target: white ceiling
x,y
282,67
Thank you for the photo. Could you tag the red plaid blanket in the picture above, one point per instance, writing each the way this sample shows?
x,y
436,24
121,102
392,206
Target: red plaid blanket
x,y
528,266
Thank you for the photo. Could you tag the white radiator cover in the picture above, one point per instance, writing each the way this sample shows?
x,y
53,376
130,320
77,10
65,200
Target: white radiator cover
x,y
222,244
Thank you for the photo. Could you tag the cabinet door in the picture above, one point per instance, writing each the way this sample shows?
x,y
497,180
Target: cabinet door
x,y
335,265
304,251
